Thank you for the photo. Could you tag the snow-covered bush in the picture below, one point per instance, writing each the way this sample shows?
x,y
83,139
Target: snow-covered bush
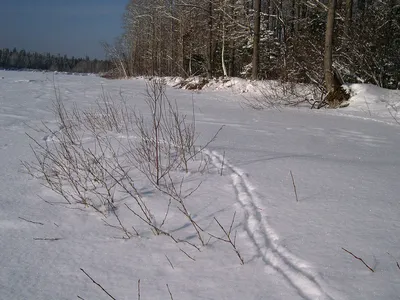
x,y
98,155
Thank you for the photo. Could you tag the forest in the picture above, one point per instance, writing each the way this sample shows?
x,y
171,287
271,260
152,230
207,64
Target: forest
x,y
288,40
18,60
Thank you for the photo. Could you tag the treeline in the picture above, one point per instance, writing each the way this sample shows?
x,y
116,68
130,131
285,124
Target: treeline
x,y
13,59
218,38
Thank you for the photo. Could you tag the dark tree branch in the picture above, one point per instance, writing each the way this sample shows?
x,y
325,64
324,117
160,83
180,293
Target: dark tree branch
x,y
360,259
99,285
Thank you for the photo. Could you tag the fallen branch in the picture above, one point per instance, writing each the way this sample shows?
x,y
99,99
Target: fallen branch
x,y
356,257
397,263
294,186
169,291
47,239
172,266
187,254
33,222
138,289
97,284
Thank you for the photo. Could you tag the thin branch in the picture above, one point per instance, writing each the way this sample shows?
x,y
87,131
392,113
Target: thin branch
x,y
138,289
172,266
393,111
166,213
222,164
360,259
47,239
169,291
122,228
190,244
228,238
97,284
156,229
187,254
136,232
33,222
397,263
294,186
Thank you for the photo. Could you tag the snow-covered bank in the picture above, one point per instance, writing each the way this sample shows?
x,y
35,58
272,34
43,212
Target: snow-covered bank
x,y
345,167
366,99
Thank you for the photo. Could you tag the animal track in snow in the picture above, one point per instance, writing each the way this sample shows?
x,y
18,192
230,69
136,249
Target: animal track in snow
x,y
297,272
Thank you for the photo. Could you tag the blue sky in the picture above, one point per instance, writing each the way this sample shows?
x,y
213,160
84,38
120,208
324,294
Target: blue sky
x,y
71,27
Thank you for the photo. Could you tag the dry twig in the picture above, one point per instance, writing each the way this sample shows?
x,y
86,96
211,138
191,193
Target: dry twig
x,y
187,254
228,238
138,289
172,266
47,239
360,259
33,222
169,291
222,164
99,285
294,186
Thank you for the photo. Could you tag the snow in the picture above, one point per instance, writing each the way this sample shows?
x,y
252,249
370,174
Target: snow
x,y
345,164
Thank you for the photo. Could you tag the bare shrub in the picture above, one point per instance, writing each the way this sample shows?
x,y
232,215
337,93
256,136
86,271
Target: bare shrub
x,y
168,140
394,112
97,153
228,238
71,160
277,94
167,143
82,162
107,115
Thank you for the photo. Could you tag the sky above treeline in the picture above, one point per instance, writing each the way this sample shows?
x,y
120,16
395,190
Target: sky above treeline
x,y
68,27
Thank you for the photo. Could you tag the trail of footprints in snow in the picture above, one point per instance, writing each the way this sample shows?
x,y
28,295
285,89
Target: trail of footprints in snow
x,y
296,271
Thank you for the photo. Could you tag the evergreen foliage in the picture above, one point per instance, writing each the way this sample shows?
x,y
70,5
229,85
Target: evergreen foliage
x,y
17,60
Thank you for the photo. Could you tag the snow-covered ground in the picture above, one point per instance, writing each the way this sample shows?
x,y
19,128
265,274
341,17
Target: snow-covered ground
x,y
345,165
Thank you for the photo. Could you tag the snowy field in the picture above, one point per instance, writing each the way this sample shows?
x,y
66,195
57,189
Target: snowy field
x,y
345,166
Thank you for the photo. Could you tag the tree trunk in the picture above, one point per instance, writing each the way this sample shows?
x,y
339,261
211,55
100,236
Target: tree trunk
x,y
256,41
182,38
349,17
336,95
293,17
232,60
269,14
153,50
210,39
297,6
223,52
330,24
223,42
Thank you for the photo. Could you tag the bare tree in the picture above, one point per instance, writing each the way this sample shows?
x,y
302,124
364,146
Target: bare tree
x,y
349,16
330,24
256,42
264,39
